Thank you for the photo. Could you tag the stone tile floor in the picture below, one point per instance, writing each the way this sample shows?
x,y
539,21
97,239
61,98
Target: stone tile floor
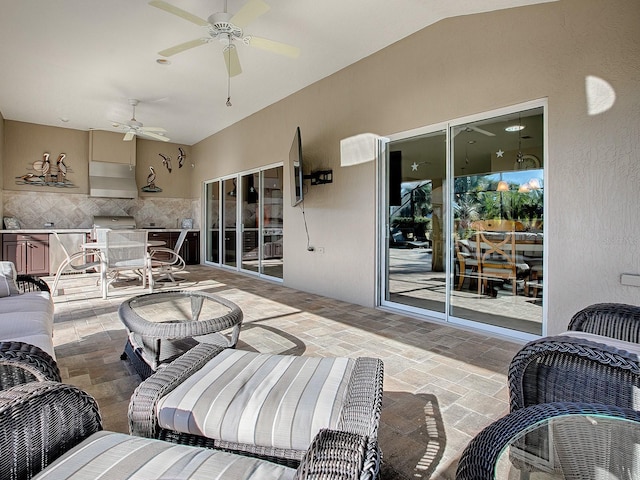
x,y
442,385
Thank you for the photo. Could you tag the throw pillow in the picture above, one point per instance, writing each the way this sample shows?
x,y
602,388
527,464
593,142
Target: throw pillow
x,y
8,277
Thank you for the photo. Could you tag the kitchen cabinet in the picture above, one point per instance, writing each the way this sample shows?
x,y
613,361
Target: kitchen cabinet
x,y
29,252
108,147
190,251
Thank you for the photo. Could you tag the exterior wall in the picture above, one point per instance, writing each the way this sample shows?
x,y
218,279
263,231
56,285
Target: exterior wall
x,y
455,68
1,157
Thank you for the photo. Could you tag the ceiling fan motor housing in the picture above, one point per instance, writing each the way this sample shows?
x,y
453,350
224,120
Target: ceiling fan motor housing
x,y
220,25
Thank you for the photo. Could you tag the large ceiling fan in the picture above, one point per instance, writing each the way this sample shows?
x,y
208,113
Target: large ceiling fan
x,y
133,127
227,29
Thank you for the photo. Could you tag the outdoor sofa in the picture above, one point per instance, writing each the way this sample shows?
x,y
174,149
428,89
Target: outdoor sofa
x,y
26,329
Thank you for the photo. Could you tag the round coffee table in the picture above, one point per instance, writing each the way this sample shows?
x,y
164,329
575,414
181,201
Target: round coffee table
x,y
164,325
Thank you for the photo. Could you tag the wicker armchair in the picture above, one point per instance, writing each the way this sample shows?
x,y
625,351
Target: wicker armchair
x,y
41,421
360,414
576,452
28,283
615,320
23,363
569,369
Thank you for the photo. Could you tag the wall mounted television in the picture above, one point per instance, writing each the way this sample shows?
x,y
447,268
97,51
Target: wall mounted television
x,y
296,175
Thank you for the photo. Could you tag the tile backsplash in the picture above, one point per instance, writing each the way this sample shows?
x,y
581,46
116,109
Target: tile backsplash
x,y
34,209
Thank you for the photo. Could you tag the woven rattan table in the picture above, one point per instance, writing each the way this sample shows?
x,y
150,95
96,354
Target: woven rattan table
x,y
164,325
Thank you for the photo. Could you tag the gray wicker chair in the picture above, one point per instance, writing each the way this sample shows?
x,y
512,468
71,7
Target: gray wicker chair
x,y
41,421
569,369
615,320
616,456
360,414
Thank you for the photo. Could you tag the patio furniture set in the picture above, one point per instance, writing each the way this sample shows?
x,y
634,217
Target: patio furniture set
x,y
204,408
208,410
574,410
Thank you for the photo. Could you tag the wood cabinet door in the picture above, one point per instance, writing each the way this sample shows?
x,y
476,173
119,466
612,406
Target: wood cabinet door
x,y
37,249
14,251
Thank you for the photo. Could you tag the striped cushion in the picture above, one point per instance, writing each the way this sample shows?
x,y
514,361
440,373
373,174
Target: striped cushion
x,y
279,401
116,456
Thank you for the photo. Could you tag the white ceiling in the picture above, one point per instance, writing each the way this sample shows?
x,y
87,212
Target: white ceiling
x,y
81,60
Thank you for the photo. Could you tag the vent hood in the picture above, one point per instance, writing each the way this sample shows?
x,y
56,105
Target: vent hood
x,y
114,180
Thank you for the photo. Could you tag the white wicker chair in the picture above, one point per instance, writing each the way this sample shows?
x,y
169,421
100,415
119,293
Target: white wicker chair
x,y
126,250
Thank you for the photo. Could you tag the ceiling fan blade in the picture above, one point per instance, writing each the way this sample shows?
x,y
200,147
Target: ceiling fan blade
x,y
154,135
129,136
183,46
484,132
272,46
167,7
249,12
232,61
153,129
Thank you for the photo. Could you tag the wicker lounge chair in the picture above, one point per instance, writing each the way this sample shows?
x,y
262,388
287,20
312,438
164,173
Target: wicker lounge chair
x,y
53,430
581,368
615,320
578,453
272,405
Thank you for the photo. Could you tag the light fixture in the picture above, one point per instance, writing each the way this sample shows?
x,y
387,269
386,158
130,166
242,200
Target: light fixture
x,y
534,184
524,188
163,61
502,186
514,128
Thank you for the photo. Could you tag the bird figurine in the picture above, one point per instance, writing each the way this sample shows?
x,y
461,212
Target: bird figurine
x,y
151,178
30,178
62,168
46,165
166,161
181,157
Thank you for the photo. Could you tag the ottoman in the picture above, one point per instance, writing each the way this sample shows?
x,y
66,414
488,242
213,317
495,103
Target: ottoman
x,y
265,405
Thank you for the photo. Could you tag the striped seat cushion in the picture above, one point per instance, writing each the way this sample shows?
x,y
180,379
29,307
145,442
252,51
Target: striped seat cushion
x,y
116,456
279,401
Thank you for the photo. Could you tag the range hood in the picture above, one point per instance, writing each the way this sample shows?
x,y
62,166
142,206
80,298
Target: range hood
x,y
113,180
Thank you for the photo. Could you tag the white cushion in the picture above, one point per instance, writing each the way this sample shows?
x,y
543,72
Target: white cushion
x,y
116,455
28,302
279,401
8,277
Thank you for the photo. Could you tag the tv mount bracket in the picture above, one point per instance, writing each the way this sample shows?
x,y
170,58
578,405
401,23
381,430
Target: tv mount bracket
x,y
320,177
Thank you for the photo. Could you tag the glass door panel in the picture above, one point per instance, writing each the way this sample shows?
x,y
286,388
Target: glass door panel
x,y
415,212
498,228
212,239
229,215
250,215
272,226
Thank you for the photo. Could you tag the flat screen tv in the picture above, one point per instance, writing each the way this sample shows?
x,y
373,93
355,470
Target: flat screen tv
x,y
296,175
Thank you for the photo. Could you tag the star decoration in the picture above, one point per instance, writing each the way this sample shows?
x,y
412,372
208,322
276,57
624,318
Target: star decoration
x,y
499,153
414,167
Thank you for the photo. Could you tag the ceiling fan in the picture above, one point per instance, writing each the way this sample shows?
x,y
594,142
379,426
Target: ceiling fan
x,y
227,29
133,127
472,128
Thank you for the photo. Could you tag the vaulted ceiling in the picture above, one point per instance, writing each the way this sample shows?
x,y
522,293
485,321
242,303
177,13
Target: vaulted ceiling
x,y
76,63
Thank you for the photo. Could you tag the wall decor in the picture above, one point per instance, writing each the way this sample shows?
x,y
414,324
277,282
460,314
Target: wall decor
x,y
46,174
151,182
166,161
181,157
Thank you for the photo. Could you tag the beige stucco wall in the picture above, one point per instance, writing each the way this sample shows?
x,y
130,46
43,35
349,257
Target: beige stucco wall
x,y
1,158
455,68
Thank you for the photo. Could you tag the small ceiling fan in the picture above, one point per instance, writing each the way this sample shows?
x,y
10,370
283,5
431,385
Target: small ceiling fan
x,y
133,127
227,29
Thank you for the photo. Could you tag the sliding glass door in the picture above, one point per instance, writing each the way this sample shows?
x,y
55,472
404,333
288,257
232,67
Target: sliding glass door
x,y
464,214
244,213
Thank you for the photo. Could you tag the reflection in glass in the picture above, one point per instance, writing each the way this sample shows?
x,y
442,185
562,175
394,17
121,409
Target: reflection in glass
x,y
212,238
229,212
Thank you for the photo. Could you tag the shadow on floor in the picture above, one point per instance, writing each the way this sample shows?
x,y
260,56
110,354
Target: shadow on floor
x,y
412,436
